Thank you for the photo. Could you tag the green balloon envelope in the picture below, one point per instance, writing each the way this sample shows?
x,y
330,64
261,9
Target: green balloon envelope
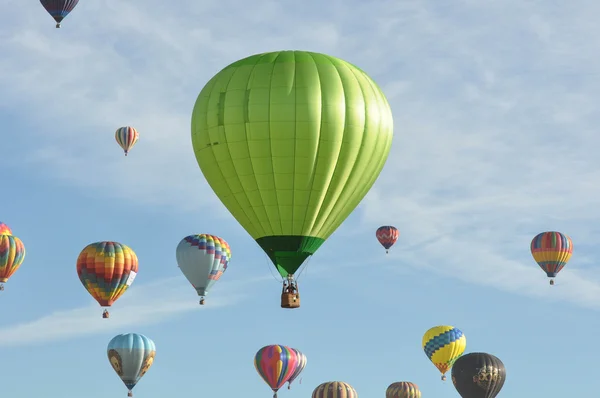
x,y
291,142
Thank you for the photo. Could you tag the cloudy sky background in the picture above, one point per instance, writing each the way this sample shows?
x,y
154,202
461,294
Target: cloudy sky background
x,y
495,140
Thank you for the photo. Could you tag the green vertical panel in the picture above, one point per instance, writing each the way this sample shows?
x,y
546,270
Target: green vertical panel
x,y
291,142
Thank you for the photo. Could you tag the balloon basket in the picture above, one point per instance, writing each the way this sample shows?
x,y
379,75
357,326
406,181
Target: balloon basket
x,y
130,394
1,288
443,378
551,282
290,300
202,301
105,315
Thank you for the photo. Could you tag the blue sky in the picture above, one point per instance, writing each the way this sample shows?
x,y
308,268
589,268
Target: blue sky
x,y
495,111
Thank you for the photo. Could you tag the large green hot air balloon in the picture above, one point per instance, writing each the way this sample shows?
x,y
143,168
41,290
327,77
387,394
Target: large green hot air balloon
x,y
291,142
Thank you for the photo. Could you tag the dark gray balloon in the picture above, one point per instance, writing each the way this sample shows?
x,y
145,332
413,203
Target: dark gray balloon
x,y
478,375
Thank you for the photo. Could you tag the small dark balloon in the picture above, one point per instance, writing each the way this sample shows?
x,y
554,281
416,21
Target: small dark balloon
x,y
59,9
478,375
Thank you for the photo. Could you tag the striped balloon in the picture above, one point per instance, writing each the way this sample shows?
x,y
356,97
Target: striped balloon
x,y
275,364
59,9
443,345
106,270
126,137
4,229
403,389
299,367
12,254
334,389
387,236
551,250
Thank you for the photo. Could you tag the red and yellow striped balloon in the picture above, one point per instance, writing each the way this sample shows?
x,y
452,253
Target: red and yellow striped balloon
x,y
403,389
106,270
334,389
12,254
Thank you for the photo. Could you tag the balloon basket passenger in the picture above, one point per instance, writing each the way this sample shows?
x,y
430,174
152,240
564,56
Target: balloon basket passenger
x,y
290,297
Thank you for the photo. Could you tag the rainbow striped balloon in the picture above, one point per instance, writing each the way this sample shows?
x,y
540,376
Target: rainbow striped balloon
x,y
106,270
126,137
403,389
552,251
299,367
12,254
275,364
334,389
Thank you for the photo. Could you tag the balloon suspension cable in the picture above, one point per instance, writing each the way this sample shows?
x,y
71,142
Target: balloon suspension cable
x,y
202,301
304,268
443,377
271,270
551,282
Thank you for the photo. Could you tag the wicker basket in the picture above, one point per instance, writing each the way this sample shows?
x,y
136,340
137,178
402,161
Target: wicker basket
x,y
290,300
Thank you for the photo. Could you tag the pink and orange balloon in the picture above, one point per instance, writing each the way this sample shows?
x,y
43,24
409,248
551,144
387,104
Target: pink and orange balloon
x,y
276,364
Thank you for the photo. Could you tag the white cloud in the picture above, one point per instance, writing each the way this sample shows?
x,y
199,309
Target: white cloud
x,y
139,306
494,104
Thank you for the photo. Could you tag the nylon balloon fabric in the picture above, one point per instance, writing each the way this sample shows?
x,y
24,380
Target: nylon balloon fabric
x,y
551,250
387,236
403,389
12,255
126,137
291,142
203,259
59,9
275,364
443,345
131,355
106,270
334,389
478,375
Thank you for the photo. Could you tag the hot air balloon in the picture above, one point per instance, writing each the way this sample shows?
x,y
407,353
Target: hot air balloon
x,y
403,389
291,142
12,254
275,364
4,229
301,364
334,389
59,9
443,345
552,251
131,355
478,375
203,259
126,137
387,236
107,269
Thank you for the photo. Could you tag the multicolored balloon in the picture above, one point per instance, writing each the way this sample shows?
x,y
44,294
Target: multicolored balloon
x,y
291,169
552,251
106,270
387,236
299,367
4,229
443,345
334,389
126,137
12,254
275,364
478,375
59,9
403,389
203,259
131,355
